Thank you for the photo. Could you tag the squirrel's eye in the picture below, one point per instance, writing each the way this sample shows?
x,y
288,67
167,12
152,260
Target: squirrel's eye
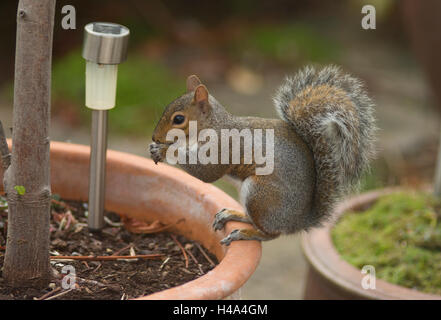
x,y
178,119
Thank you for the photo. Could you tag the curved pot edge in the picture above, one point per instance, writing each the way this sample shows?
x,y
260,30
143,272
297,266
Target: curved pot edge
x,y
323,257
241,258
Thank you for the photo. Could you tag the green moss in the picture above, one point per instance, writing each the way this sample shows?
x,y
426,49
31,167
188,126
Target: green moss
x,y
400,235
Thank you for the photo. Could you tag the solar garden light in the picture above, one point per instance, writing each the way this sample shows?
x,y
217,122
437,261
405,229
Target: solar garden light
x,y
105,46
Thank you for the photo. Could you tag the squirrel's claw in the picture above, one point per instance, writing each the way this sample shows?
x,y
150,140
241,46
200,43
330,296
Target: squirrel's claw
x,y
220,219
247,234
225,215
233,236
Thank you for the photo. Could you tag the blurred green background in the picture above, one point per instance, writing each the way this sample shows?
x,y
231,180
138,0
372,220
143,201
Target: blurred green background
x,y
230,43
242,50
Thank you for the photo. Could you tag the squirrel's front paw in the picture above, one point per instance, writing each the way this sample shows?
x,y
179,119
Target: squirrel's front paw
x,y
157,151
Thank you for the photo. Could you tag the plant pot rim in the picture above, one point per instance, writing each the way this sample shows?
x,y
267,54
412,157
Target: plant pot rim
x,y
133,184
324,258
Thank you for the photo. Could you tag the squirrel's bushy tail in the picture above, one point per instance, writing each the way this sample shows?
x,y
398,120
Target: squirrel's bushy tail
x,y
332,113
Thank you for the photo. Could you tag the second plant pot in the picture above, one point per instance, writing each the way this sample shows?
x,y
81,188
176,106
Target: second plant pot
x,y
331,277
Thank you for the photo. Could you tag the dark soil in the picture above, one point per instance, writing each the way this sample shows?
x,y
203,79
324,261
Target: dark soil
x,y
118,279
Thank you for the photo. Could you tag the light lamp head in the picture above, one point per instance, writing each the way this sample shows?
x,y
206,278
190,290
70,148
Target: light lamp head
x,y
105,46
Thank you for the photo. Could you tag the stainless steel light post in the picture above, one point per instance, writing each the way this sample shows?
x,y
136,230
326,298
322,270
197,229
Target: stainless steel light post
x,y
105,46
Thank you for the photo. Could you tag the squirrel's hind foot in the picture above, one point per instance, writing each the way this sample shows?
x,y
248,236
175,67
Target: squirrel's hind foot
x,y
247,234
225,215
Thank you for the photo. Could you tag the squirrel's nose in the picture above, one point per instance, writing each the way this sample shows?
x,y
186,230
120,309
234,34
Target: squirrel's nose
x,y
155,140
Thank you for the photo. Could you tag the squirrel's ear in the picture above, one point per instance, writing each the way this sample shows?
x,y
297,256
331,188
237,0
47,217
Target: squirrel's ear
x,y
201,97
192,83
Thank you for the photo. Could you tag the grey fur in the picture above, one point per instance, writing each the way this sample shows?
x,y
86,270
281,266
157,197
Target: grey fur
x,y
342,143
320,153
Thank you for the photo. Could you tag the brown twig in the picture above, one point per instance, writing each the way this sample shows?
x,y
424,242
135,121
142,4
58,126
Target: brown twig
x,y
195,261
182,249
163,264
4,149
108,258
96,269
205,255
59,295
113,287
121,250
147,229
46,295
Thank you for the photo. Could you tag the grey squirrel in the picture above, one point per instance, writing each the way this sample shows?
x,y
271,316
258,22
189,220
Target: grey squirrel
x,y
322,145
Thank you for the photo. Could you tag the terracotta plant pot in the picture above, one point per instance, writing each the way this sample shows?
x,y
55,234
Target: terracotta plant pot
x,y
139,189
330,277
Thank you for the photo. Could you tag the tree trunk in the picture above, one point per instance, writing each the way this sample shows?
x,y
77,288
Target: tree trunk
x,y
27,250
